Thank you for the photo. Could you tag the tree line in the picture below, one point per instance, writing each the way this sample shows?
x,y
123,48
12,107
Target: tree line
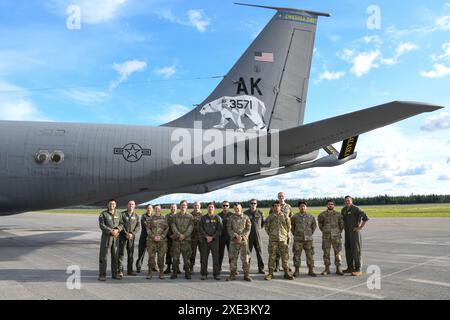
x,y
339,201
321,202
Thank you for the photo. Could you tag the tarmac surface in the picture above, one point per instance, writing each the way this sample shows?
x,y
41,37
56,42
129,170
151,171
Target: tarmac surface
x,y
36,249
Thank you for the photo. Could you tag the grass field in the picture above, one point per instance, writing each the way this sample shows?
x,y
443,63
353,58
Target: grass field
x,y
388,211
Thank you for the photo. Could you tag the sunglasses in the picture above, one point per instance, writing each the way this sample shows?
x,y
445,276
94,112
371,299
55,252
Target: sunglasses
x,y
225,205
253,203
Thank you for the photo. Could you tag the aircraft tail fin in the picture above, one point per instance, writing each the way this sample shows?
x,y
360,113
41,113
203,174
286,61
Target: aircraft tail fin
x,y
267,86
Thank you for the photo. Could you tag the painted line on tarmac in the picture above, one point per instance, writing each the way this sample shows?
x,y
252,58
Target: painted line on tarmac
x,y
335,290
437,283
267,288
389,275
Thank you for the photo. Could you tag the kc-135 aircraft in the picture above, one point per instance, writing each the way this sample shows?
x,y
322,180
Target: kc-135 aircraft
x,y
45,165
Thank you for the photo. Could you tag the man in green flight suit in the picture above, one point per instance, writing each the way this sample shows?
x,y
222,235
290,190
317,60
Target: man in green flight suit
x,y
110,224
354,221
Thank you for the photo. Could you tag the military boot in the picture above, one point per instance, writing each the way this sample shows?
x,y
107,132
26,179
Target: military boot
x,y
326,272
311,272
187,275
167,271
161,274
269,276
149,275
297,272
288,275
357,273
102,278
174,275
232,277
247,277
117,276
348,270
339,271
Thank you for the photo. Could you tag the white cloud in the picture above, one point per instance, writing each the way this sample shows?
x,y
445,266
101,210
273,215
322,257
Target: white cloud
x,y
372,39
445,55
198,20
166,72
16,105
126,69
327,75
88,96
406,47
401,49
171,113
438,122
439,24
439,71
443,23
363,62
194,18
92,11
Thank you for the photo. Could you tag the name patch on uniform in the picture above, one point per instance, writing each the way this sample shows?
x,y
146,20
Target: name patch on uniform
x,y
297,18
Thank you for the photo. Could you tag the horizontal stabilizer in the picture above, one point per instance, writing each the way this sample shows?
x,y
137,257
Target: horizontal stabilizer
x,y
314,13
313,136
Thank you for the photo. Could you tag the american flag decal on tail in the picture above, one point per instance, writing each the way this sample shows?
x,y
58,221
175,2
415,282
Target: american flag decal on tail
x,y
263,56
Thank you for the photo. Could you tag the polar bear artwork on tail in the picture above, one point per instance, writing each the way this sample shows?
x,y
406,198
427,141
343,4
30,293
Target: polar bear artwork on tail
x,y
234,108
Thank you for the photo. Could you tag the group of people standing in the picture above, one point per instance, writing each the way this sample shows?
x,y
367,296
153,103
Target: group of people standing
x,y
176,234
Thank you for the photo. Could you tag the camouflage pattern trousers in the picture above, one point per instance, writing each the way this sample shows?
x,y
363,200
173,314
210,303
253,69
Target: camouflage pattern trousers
x,y
235,250
297,249
183,248
156,248
195,243
336,243
278,249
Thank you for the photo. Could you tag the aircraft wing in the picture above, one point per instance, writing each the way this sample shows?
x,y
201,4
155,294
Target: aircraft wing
x,y
321,134
313,136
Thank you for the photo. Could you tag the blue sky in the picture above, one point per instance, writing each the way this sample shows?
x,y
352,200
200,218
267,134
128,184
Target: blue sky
x,y
135,61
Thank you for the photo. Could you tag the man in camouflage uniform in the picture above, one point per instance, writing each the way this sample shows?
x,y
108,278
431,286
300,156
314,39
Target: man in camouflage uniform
x,y
254,240
238,227
131,226
172,213
287,210
182,225
210,230
278,227
143,237
111,224
157,229
354,221
303,227
195,236
224,240
331,224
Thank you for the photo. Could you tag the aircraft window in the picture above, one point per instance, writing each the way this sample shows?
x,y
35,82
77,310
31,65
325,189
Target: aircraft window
x,y
42,156
57,157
